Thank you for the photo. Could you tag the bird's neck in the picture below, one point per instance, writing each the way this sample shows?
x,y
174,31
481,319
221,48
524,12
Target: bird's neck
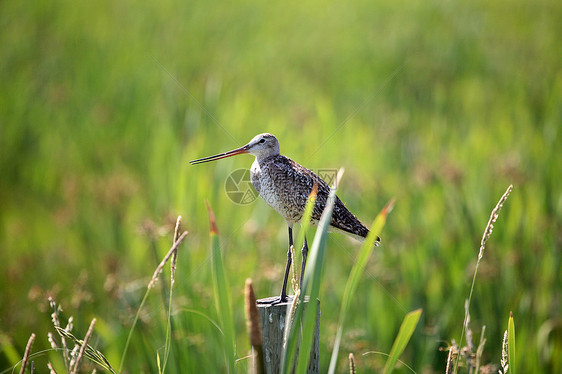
x,y
264,158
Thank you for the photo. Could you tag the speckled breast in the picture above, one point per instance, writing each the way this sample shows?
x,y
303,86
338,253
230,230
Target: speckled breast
x,y
278,187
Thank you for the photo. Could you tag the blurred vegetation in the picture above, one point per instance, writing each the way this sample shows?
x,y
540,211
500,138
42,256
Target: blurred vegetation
x,y
439,104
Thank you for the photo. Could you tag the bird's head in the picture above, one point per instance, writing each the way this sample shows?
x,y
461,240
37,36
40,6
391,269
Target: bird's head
x,y
261,146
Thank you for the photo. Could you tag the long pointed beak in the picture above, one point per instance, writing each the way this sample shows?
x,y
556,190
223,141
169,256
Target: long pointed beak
x,y
234,152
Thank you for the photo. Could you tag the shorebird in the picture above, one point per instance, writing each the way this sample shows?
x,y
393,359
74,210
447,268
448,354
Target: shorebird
x,y
286,186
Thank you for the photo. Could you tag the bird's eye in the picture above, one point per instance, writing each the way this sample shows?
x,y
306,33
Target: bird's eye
x,y
262,141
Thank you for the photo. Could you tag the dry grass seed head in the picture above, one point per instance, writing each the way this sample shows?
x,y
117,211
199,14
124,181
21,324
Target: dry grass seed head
x,y
493,217
27,353
351,364
175,254
504,361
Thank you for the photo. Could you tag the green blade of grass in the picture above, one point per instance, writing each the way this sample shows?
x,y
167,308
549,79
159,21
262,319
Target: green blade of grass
x,y
145,297
158,363
354,277
8,349
404,334
511,343
206,317
221,292
307,215
312,277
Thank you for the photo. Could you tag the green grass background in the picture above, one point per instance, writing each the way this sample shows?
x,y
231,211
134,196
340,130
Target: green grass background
x,y
439,104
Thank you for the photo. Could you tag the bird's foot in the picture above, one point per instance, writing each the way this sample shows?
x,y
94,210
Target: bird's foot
x,y
276,300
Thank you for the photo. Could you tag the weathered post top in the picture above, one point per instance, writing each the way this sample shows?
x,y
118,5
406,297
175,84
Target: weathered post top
x,y
274,321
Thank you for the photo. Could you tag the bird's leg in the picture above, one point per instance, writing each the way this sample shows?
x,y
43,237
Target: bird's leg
x,y
304,252
283,296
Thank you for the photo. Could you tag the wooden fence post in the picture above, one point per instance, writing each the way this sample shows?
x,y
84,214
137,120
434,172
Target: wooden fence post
x,y
273,321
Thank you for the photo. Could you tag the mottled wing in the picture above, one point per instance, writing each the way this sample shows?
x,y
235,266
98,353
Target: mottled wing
x,y
342,218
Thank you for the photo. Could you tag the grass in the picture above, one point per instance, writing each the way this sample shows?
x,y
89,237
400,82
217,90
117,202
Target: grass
x,y
102,106
356,273
222,296
487,233
511,343
402,338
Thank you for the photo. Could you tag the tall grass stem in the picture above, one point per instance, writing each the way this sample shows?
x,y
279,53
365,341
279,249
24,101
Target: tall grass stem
x,y
27,353
145,297
487,233
83,346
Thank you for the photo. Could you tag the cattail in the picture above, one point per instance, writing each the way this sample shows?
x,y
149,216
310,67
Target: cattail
x,y
253,324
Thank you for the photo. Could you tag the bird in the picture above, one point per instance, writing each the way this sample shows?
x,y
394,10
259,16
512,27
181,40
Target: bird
x,y
285,186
